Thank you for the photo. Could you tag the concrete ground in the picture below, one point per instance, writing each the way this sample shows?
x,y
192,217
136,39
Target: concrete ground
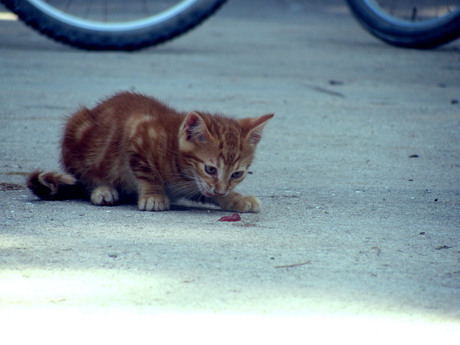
x,y
358,173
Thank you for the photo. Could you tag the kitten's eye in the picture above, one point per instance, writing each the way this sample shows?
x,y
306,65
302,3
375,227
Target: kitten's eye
x,y
237,174
210,170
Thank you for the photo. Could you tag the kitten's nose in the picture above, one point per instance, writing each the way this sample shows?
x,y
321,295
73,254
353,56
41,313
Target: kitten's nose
x,y
219,192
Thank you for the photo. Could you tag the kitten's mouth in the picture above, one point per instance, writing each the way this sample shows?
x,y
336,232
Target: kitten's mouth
x,y
206,193
204,190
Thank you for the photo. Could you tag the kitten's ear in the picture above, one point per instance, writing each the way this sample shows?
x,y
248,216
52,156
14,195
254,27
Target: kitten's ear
x,y
254,126
194,128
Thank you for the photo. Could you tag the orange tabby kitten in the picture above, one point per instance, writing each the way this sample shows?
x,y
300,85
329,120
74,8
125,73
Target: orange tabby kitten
x,y
131,144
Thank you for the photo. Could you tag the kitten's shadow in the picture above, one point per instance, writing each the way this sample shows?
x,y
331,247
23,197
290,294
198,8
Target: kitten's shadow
x,y
195,208
182,205
184,208
132,205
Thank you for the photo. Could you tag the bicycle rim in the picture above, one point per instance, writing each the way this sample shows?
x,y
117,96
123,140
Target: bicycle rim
x,y
102,20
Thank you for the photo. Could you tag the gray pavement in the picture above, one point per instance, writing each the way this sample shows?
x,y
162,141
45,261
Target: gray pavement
x,y
358,174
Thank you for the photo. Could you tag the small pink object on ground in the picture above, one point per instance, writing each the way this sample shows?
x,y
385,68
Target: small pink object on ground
x,y
235,217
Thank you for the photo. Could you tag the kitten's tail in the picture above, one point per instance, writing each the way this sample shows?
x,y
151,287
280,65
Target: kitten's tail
x,y
55,186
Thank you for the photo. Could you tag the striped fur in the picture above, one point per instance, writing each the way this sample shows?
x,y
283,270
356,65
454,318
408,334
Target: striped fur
x,y
132,144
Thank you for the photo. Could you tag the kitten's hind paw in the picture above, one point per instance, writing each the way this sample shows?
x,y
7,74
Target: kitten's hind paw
x,y
155,202
104,196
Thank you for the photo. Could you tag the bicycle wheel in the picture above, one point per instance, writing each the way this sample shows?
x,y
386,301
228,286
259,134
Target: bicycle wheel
x,y
410,23
114,24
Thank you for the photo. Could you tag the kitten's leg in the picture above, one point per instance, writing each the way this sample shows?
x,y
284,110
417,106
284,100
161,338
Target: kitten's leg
x,y
234,201
152,197
104,196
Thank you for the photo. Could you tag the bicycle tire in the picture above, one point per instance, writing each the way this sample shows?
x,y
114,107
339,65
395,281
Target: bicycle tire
x,y
419,35
118,36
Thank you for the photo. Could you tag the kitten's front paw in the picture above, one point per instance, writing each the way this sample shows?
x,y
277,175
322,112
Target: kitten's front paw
x,y
155,202
104,196
239,203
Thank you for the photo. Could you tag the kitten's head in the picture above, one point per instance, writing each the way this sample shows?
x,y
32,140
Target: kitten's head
x,y
218,150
